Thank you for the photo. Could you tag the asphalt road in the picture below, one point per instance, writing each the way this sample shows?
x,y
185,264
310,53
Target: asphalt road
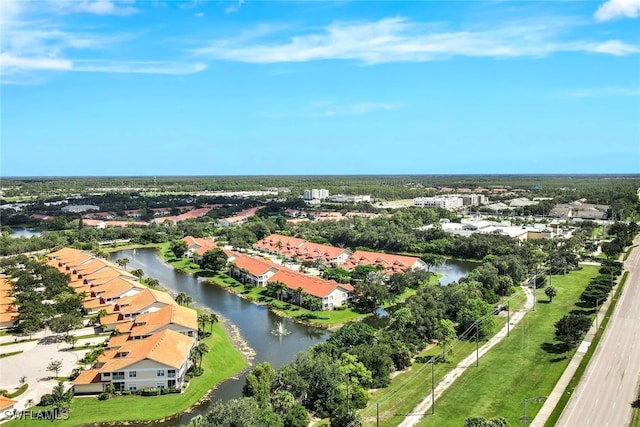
x,y
610,383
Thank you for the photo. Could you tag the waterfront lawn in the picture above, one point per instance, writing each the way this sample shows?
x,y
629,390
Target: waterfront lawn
x,y
222,362
527,364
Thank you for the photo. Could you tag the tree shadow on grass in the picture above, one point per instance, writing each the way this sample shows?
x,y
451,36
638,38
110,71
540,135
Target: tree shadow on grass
x,y
554,348
585,312
544,301
636,404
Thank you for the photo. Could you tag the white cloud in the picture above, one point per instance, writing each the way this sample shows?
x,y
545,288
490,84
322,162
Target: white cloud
x,y
235,7
398,39
199,14
615,47
32,46
603,92
102,7
618,8
10,64
330,109
138,67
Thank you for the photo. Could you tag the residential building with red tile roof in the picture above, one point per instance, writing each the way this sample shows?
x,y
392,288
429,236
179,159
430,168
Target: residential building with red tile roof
x,y
390,262
6,406
252,270
175,317
302,250
8,309
331,293
158,361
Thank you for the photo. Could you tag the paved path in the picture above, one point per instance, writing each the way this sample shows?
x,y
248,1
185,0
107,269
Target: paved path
x,y
33,361
423,407
554,397
610,383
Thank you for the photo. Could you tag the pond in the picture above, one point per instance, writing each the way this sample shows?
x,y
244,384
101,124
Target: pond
x,y
24,232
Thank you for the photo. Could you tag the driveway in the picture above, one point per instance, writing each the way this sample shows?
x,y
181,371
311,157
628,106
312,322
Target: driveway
x,y
33,361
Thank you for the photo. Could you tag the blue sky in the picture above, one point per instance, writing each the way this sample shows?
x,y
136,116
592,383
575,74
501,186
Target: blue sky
x,y
345,87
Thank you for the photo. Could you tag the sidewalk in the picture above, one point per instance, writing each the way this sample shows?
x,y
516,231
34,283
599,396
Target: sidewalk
x,y
552,401
447,381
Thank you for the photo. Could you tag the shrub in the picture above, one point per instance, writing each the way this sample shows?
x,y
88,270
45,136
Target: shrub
x,y
103,396
125,393
151,392
340,308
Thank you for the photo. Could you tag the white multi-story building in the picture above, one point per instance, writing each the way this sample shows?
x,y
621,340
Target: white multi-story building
x,y
443,202
349,198
316,194
474,199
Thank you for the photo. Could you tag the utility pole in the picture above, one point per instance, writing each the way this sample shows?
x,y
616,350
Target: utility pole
x,y
433,384
477,354
508,318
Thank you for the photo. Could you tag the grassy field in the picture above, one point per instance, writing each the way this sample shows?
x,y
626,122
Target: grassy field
x,y
221,362
409,388
568,391
527,364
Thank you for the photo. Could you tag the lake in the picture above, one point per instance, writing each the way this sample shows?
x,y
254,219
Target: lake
x,y
24,232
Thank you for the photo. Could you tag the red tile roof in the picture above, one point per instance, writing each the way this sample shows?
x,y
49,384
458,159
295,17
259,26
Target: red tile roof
x,y
391,263
310,284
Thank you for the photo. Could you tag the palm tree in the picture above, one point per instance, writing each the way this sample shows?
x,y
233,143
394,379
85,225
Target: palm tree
x,y
213,318
202,350
152,283
138,273
202,320
184,299
122,262
299,295
280,290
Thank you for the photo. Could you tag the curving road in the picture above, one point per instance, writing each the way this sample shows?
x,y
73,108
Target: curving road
x,y
610,383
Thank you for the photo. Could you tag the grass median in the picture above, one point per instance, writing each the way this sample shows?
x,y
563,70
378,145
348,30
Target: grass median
x,y
409,388
527,364
222,362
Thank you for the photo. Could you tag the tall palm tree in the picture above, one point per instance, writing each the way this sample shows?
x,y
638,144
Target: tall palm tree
x,y
183,299
213,318
202,350
122,262
299,295
203,318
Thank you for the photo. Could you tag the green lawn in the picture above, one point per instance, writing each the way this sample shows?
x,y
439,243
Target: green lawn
x,y
525,365
575,380
222,361
409,388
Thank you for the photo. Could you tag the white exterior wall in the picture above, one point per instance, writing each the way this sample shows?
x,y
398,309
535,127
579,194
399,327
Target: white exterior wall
x,y
336,298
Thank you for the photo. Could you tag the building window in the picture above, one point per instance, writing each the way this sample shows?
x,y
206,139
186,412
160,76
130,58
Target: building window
x,y
132,387
160,373
159,385
133,374
106,374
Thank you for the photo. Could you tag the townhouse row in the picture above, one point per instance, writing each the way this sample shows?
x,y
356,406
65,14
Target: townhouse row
x,y
8,309
152,335
293,248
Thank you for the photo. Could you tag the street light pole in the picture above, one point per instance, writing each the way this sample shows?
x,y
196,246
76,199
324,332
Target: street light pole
x,y
597,310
